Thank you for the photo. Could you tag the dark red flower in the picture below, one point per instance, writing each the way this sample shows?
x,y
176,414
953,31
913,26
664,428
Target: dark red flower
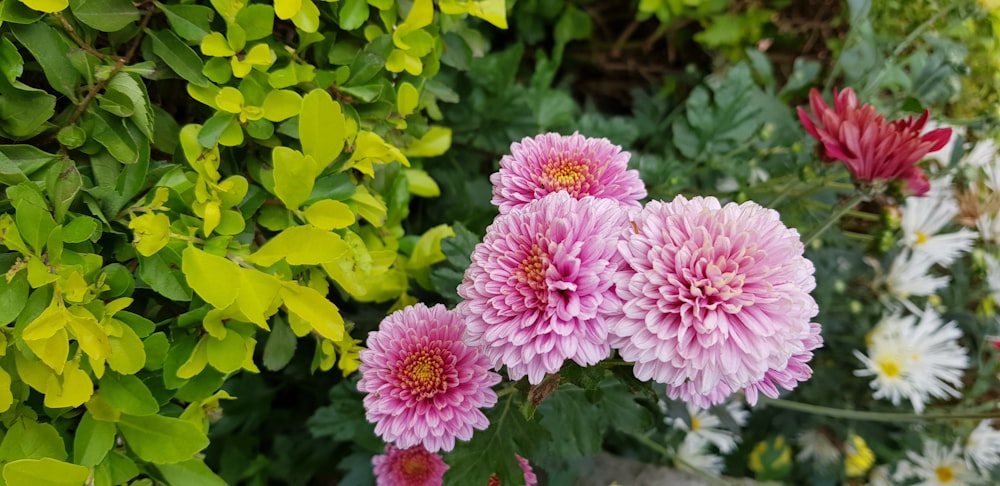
x,y
873,149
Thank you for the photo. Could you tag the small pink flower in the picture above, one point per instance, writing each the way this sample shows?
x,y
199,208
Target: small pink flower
x,y
715,299
529,475
415,466
424,385
874,150
576,164
539,288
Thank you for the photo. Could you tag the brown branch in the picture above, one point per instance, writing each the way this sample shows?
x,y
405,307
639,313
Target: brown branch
x,y
76,37
119,64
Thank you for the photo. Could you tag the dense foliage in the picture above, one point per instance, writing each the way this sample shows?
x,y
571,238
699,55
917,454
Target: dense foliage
x,y
208,206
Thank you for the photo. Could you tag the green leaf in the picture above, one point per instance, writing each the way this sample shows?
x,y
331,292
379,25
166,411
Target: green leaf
x,y
329,214
161,271
191,22
18,13
407,97
44,472
24,110
280,346
156,347
435,142
27,439
210,276
226,354
128,354
129,86
111,132
92,440
322,128
105,15
178,56
301,245
192,472
63,184
294,175
13,297
353,14
128,394
11,62
80,229
491,451
35,224
162,440
17,162
49,48
281,104
315,309
257,21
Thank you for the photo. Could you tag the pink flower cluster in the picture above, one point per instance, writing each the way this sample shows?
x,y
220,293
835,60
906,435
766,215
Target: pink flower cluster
x,y
874,150
706,298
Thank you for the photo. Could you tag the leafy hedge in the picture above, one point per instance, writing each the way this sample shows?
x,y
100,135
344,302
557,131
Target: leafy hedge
x,y
192,189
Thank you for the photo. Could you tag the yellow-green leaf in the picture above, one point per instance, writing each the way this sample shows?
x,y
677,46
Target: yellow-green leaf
x,y
33,372
215,44
285,9
307,18
226,355
101,409
6,397
301,245
47,6
229,100
435,142
419,183
492,11
369,207
52,319
420,15
150,232
281,104
329,214
406,98
74,287
196,362
320,313
258,295
322,129
88,332
44,472
294,175
72,389
399,61
210,276
51,350
128,355
370,148
162,440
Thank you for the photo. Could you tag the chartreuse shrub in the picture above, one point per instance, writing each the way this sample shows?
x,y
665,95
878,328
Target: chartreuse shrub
x,y
189,186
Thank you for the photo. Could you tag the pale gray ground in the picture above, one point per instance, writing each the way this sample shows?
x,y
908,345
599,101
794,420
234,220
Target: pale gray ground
x,y
610,470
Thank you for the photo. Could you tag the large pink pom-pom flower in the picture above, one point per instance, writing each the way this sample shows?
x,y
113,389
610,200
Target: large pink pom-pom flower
x,y
873,149
424,385
415,466
715,299
579,165
539,288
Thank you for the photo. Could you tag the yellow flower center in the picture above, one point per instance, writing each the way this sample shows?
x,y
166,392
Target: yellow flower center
x,y
422,373
566,172
921,238
944,473
531,272
414,466
695,423
889,367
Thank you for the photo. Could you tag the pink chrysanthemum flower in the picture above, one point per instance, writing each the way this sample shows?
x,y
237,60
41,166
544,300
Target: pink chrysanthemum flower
x,y
529,475
539,287
424,385
874,150
414,466
715,299
579,165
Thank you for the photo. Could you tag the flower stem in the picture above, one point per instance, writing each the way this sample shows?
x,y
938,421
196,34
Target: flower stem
x,y
835,216
874,416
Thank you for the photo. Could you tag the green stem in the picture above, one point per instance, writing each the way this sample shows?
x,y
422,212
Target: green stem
x,y
834,217
874,416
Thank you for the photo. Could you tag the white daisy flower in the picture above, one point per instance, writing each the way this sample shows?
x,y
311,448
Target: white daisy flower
x,y
693,456
984,155
943,155
923,219
816,446
881,476
909,276
939,465
710,426
989,227
914,361
982,448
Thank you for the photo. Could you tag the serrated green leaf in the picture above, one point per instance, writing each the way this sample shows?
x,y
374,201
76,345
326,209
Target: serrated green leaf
x,y
178,56
110,131
161,440
105,15
44,472
322,128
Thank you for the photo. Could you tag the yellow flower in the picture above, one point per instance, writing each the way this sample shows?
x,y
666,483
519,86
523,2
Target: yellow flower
x,y
858,457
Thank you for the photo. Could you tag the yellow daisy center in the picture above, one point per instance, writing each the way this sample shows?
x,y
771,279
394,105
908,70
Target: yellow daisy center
x,y
921,237
944,473
889,367
566,172
422,373
695,423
